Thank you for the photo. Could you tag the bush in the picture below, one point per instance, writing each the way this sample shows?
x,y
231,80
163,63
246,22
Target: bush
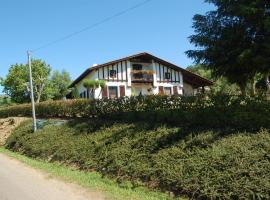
x,y
201,164
201,111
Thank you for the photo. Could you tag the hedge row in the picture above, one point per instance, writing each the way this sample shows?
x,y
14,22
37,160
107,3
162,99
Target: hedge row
x,y
214,111
200,164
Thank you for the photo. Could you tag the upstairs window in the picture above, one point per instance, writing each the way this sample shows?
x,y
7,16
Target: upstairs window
x,y
167,75
112,73
137,67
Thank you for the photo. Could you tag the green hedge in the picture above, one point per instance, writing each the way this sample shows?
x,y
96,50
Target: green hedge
x,y
212,164
214,111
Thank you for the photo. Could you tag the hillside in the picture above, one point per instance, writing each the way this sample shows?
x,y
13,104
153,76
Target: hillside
x,y
203,164
7,125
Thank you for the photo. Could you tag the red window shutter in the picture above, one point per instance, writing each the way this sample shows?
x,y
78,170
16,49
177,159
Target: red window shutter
x,y
161,90
105,92
175,90
122,91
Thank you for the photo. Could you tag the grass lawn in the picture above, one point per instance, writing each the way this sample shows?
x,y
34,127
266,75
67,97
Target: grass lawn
x,y
90,180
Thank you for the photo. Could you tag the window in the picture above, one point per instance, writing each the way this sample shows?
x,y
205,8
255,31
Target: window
x,y
137,67
112,73
83,95
167,75
113,93
167,91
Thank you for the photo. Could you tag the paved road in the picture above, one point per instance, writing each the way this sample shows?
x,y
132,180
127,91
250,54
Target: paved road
x,y
20,182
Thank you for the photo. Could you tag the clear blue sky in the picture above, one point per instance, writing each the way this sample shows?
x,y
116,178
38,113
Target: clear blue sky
x,y
160,27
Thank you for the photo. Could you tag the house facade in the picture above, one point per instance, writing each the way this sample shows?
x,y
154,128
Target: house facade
x,y
139,74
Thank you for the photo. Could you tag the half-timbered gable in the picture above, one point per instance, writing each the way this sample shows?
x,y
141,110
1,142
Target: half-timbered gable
x,y
140,74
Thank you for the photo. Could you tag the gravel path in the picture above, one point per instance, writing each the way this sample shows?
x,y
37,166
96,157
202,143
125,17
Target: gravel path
x,y
20,182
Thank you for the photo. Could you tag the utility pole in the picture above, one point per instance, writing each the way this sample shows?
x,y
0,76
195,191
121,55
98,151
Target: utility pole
x,y
32,92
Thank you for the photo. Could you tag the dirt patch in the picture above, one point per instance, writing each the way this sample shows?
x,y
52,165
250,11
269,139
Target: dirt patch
x,y
7,125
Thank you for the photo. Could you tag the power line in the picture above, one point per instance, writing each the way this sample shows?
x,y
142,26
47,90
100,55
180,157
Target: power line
x,y
93,25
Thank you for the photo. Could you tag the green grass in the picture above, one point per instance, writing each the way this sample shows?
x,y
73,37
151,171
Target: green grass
x,y
89,180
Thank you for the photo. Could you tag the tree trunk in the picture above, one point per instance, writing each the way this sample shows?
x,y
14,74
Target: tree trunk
x,y
101,90
38,97
253,87
243,89
267,81
39,92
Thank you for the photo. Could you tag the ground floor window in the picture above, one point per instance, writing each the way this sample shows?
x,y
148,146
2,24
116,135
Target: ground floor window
x,y
113,92
83,95
168,91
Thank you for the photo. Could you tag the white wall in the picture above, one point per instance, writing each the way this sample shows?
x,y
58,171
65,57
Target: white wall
x,y
188,90
124,79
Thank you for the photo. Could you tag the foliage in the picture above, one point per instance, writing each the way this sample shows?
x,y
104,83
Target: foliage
x,y
93,84
202,164
16,83
101,84
60,82
233,40
90,84
221,85
201,111
74,93
5,101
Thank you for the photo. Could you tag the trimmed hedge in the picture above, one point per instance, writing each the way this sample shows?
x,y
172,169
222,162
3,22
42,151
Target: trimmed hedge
x,y
213,164
200,111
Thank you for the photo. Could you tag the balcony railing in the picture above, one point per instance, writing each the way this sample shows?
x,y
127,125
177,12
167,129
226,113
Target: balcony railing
x,y
142,76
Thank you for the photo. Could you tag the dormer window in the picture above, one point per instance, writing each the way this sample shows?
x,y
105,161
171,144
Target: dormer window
x,y
137,67
167,75
112,73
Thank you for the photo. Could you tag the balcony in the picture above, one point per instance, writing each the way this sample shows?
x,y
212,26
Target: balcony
x,y
142,76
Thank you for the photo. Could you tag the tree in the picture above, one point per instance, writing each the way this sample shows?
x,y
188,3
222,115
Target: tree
x,y
5,101
59,83
16,84
221,84
102,85
234,40
92,85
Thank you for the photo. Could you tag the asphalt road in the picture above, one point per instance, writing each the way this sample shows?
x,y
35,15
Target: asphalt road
x,y
20,182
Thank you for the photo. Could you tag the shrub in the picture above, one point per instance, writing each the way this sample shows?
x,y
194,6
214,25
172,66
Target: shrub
x,y
210,164
212,112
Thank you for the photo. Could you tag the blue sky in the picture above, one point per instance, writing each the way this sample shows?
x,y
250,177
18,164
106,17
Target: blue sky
x,y
160,27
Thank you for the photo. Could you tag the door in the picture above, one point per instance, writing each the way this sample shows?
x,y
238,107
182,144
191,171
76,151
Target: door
x,y
105,92
161,90
122,91
175,90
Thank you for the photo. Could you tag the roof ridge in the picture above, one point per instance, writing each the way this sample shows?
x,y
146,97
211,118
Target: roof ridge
x,y
176,67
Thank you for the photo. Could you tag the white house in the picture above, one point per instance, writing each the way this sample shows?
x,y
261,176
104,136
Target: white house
x,y
140,74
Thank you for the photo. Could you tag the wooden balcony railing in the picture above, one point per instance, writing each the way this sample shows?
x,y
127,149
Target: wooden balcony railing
x,y
142,76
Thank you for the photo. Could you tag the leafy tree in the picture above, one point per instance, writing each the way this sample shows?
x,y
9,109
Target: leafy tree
x,y
102,85
92,85
221,84
59,84
234,40
5,101
16,84
74,93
